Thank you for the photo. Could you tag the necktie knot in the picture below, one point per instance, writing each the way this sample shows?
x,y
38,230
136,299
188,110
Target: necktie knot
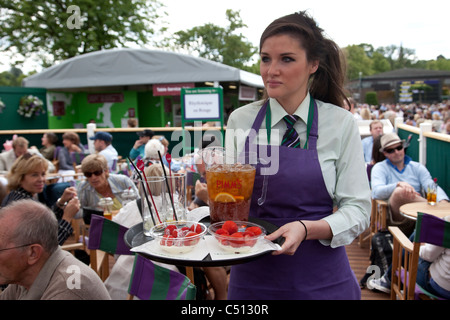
x,y
291,138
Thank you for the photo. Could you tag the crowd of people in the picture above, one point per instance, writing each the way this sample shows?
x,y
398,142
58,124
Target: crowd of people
x,y
319,199
413,114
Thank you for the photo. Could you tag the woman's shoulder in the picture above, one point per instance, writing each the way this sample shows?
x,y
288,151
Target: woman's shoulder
x,y
249,111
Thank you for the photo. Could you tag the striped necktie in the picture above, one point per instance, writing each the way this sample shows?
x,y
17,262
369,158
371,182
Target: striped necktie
x,y
291,138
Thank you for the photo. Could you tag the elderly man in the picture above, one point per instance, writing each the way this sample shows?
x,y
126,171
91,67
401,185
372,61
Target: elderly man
x,y
19,147
376,129
102,144
33,265
7,158
400,180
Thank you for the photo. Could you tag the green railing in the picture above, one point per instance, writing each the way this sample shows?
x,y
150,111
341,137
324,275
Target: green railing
x,y
431,149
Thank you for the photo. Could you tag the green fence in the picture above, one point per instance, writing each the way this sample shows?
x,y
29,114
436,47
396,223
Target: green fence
x,y
437,153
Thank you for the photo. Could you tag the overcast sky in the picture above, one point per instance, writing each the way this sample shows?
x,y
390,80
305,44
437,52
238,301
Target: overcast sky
x,y
419,25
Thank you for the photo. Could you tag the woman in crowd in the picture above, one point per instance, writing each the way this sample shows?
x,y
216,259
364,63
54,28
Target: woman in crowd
x,y
318,167
100,183
71,142
49,140
26,180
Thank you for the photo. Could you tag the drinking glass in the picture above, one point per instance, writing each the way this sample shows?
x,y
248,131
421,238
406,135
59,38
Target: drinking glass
x,y
151,191
229,180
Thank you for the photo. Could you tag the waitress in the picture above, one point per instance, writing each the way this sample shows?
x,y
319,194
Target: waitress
x,y
319,196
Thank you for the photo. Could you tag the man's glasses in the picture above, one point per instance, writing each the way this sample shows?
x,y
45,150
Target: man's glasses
x,y
399,148
89,174
24,245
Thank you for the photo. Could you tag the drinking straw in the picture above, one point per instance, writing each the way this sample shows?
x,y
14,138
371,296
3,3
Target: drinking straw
x,y
151,196
169,161
167,183
145,193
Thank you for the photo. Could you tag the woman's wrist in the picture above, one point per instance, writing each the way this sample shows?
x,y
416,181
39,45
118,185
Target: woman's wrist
x,y
306,229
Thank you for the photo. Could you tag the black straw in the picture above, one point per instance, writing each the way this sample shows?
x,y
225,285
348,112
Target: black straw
x,y
145,193
167,183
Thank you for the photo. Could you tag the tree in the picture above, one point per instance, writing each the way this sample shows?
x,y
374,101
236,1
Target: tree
x,y
12,78
56,30
357,61
215,43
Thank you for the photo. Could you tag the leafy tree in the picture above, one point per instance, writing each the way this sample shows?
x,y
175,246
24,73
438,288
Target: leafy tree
x,y
12,78
357,61
60,29
224,45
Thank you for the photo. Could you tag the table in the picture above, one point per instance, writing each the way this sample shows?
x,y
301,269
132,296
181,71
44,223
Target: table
x,y
135,237
441,209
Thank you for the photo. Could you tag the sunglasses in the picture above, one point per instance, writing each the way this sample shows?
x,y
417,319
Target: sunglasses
x,y
89,174
399,148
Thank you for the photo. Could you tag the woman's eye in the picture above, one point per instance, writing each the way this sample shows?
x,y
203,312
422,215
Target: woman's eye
x,y
288,59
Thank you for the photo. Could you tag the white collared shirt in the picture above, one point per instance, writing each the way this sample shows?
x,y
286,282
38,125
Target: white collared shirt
x,y
340,156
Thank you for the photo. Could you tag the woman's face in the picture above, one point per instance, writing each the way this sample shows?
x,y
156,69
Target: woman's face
x,y
67,143
34,181
285,70
97,179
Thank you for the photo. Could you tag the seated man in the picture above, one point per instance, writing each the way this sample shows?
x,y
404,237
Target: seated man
x,y
33,265
376,129
400,180
102,144
139,146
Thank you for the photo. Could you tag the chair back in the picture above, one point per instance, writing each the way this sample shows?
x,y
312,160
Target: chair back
x,y
150,281
108,236
433,230
405,256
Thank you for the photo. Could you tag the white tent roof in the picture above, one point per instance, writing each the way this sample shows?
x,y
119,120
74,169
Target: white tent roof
x,y
123,67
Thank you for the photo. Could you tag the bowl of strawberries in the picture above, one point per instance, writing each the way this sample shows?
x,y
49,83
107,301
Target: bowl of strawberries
x,y
178,236
236,236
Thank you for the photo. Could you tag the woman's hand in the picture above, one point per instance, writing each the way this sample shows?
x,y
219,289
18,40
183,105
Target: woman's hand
x,y
68,194
293,233
71,209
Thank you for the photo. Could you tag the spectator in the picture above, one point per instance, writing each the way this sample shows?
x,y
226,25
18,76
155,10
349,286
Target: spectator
x,y
100,183
32,263
49,141
71,142
132,123
26,180
19,147
102,144
376,129
399,180
139,146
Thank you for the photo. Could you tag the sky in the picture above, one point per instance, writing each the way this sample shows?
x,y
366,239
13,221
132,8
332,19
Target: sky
x,y
419,25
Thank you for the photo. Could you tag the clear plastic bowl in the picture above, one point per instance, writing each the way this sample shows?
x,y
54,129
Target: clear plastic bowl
x,y
241,243
182,241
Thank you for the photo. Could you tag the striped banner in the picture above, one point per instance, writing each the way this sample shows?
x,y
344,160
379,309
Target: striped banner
x,y
152,282
433,230
108,236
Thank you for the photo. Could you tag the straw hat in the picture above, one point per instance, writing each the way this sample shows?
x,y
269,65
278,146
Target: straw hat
x,y
390,139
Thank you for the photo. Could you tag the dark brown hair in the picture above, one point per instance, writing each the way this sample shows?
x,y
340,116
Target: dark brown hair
x,y
327,83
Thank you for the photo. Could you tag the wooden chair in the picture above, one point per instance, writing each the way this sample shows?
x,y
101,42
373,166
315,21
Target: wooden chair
x,y
378,221
106,238
405,256
150,281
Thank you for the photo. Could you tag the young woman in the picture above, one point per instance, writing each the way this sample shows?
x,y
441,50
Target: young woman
x,y
319,196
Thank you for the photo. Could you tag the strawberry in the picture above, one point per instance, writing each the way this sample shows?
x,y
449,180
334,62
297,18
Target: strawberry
x,y
191,242
237,240
230,226
222,232
196,228
255,230
249,238
167,241
169,229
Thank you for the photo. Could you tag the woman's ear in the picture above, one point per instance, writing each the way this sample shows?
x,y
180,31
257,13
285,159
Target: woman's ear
x,y
314,66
